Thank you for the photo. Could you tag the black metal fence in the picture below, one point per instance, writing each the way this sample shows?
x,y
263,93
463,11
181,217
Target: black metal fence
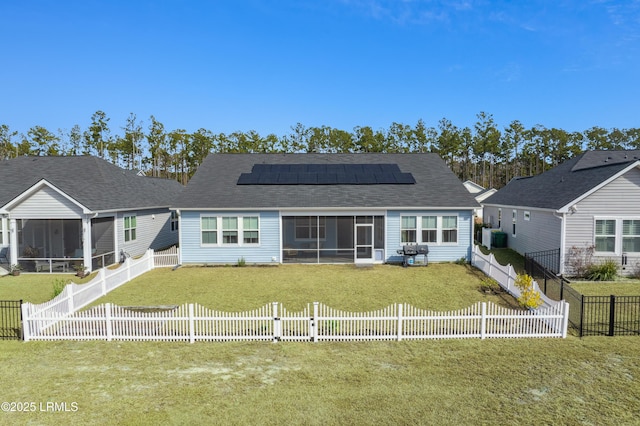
x,y
10,319
589,315
548,259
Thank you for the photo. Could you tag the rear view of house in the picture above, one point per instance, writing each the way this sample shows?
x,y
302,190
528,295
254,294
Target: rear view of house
x,y
591,200
323,208
61,212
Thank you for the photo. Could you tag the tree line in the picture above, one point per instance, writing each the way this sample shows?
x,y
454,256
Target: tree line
x,y
484,153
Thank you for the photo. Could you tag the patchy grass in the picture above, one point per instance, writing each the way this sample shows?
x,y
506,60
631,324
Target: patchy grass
x,y
34,288
453,382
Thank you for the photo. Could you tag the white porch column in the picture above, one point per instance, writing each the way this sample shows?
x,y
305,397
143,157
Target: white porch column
x,y
13,241
86,242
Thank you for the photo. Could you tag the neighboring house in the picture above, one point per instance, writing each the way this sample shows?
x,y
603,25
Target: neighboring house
x,y
60,212
592,199
323,208
480,194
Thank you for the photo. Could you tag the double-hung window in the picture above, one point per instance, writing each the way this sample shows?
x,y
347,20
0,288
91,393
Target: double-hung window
x,y
174,221
631,235
229,230
408,229
209,229
129,228
250,230
449,229
606,235
429,229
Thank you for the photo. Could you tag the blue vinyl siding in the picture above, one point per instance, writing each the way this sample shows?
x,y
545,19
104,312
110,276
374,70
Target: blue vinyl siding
x,y
437,252
195,252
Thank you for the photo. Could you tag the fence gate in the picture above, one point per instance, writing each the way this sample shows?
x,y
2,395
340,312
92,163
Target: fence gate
x,y
10,320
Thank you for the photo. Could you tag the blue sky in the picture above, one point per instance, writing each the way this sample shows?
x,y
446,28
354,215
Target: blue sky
x,y
266,65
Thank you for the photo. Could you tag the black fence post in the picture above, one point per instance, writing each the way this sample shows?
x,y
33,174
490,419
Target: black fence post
x,y
581,315
21,322
612,314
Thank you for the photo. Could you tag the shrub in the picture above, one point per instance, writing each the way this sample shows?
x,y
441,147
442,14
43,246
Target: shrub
x,y
489,285
58,286
242,262
529,297
605,271
579,259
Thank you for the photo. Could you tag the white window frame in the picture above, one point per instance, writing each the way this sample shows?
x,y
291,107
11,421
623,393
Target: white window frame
x,y
219,230
443,229
132,236
216,230
415,229
527,216
514,221
439,229
249,229
228,232
423,229
628,235
174,220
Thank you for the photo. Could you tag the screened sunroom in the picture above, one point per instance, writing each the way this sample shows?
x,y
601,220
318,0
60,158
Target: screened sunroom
x,y
332,239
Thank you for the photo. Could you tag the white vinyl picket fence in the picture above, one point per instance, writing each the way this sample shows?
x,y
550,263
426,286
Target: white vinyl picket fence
x,y
506,277
76,296
166,258
63,319
272,322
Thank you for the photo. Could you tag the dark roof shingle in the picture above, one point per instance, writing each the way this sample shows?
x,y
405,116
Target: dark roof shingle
x,y
91,181
215,184
564,183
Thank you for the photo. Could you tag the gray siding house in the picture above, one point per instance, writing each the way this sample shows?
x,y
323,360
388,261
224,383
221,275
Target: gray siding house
x,y
323,208
59,212
590,200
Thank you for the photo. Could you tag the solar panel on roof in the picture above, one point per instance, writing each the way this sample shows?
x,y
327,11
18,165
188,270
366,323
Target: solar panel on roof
x,y
325,174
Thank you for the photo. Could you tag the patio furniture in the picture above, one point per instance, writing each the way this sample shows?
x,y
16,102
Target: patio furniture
x,y
4,254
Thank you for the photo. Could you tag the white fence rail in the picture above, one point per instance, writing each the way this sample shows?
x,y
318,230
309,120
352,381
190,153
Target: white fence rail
x,y
506,278
76,296
61,318
166,258
272,322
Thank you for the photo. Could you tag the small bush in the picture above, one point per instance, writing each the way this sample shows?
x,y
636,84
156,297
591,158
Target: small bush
x,y
580,259
489,285
605,271
461,261
529,297
58,286
242,262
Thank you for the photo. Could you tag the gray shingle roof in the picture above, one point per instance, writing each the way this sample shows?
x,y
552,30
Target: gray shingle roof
x,y
215,184
566,182
93,182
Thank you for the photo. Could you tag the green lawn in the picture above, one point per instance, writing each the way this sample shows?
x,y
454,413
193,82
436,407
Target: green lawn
x,y
618,288
451,382
438,286
34,288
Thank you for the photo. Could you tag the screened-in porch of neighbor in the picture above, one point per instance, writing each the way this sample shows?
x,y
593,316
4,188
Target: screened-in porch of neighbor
x,y
332,239
55,245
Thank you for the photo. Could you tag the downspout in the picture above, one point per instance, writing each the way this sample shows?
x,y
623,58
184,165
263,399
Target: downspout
x,y
563,233
13,241
179,236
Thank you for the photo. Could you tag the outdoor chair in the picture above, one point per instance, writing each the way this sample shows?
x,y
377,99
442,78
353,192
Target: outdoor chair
x,y
4,254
